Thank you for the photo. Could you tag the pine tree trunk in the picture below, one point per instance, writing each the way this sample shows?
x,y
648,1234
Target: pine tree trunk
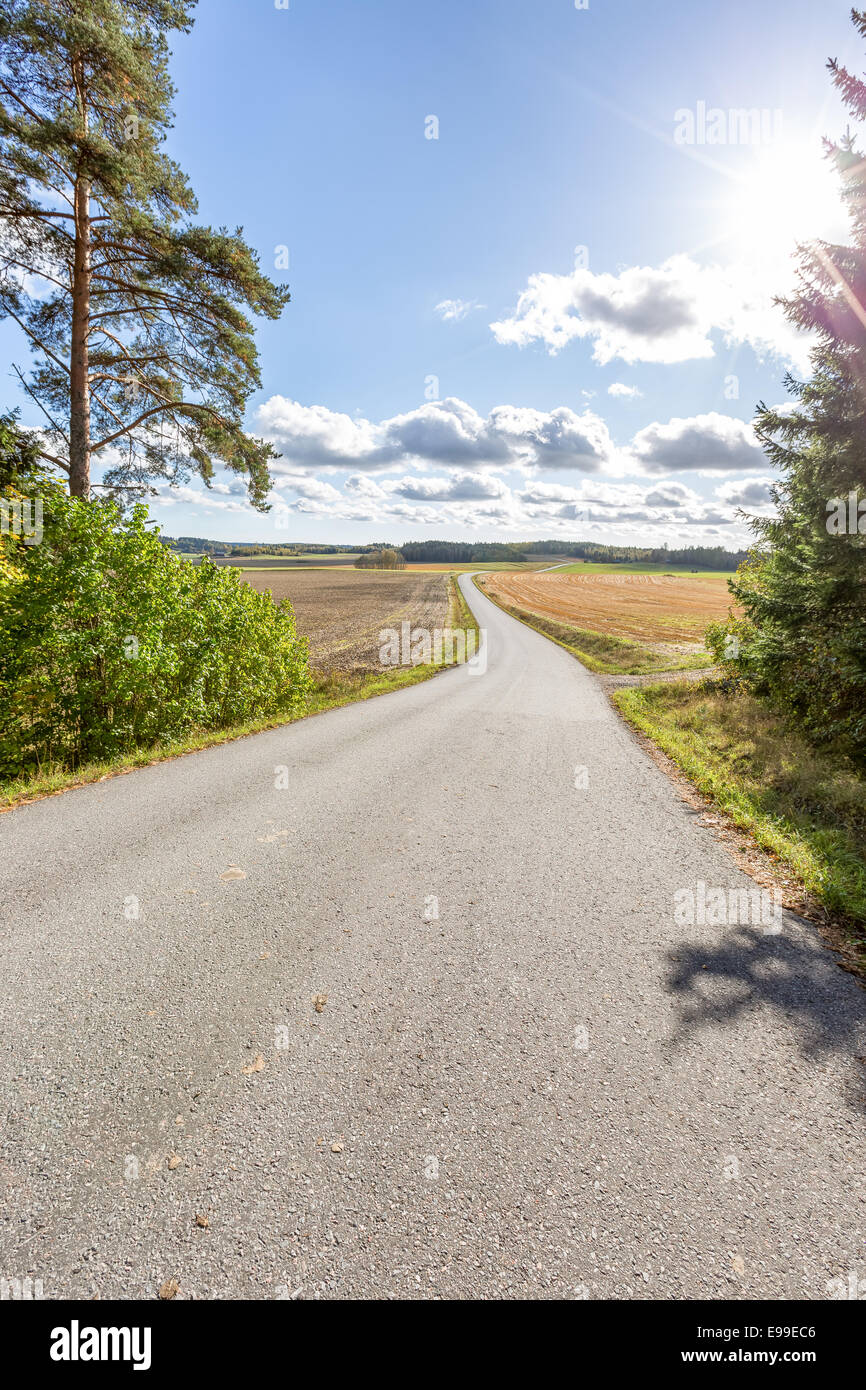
x,y
79,413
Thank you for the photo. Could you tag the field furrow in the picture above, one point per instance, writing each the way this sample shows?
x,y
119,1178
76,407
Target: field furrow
x,y
342,611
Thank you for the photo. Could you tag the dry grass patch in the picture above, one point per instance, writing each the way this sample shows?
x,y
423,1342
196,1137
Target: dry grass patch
x,y
805,805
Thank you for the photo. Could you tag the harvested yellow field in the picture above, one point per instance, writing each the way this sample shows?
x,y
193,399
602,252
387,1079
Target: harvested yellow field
x,y
652,609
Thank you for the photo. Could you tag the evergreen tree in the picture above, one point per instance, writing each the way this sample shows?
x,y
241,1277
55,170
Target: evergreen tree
x,y
136,316
803,592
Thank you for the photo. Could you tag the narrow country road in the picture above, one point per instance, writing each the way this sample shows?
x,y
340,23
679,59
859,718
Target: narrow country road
x,y
526,1078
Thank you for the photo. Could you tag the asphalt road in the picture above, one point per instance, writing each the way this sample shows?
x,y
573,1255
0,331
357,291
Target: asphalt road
x,y
551,1089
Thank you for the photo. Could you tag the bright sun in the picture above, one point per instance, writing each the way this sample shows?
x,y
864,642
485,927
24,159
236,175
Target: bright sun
x,y
788,194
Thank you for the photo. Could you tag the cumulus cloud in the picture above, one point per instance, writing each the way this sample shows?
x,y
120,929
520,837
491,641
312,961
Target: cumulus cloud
x,y
598,509
362,485
629,512
662,314
606,503
313,488
670,495
710,443
555,439
461,487
444,465
752,494
311,436
229,489
448,433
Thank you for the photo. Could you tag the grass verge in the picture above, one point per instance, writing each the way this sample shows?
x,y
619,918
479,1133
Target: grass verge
x,y
805,805
460,615
601,652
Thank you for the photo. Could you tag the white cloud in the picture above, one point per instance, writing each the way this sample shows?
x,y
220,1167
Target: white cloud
x,y
452,310
444,466
314,488
710,443
671,495
619,388
313,436
659,314
447,433
460,487
608,504
555,439
752,494
628,512
363,486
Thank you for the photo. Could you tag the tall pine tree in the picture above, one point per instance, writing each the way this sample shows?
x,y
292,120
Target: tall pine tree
x,y
803,592
137,317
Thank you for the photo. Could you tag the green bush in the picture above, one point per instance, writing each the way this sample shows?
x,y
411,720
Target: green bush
x,y
108,643
22,478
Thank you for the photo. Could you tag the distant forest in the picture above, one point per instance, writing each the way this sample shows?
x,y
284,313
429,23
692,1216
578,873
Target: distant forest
x,y
698,557
194,545
695,557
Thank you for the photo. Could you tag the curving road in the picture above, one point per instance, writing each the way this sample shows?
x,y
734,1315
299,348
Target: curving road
x,y
551,1089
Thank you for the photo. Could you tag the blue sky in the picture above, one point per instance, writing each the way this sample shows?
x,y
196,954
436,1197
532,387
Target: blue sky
x,y
462,305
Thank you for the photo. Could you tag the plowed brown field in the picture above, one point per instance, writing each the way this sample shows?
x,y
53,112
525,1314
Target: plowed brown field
x,y
342,611
654,609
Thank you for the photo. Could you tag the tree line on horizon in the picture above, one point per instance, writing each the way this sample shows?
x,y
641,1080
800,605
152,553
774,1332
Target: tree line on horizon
x,y
518,552
470,552
196,545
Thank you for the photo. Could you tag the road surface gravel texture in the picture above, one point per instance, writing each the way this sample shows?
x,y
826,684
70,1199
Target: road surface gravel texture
x,y
444,1039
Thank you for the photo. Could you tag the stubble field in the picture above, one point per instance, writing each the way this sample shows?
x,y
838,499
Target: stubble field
x,y
342,611
668,613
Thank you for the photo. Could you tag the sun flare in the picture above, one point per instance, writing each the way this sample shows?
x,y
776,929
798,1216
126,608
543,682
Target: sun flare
x,y
787,194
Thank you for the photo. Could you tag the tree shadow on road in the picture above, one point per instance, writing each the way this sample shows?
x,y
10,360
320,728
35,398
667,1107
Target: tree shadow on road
x,y
798,979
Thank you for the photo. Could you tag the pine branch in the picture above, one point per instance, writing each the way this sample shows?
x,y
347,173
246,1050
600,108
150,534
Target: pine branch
x,y
38,342
182,406
53,423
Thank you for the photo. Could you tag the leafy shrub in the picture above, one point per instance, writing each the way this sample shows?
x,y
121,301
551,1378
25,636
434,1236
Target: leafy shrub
x,y
731,645
108,642
22,479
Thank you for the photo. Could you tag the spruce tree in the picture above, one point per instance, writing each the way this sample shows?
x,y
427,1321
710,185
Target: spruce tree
x,y
136,316
803,591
